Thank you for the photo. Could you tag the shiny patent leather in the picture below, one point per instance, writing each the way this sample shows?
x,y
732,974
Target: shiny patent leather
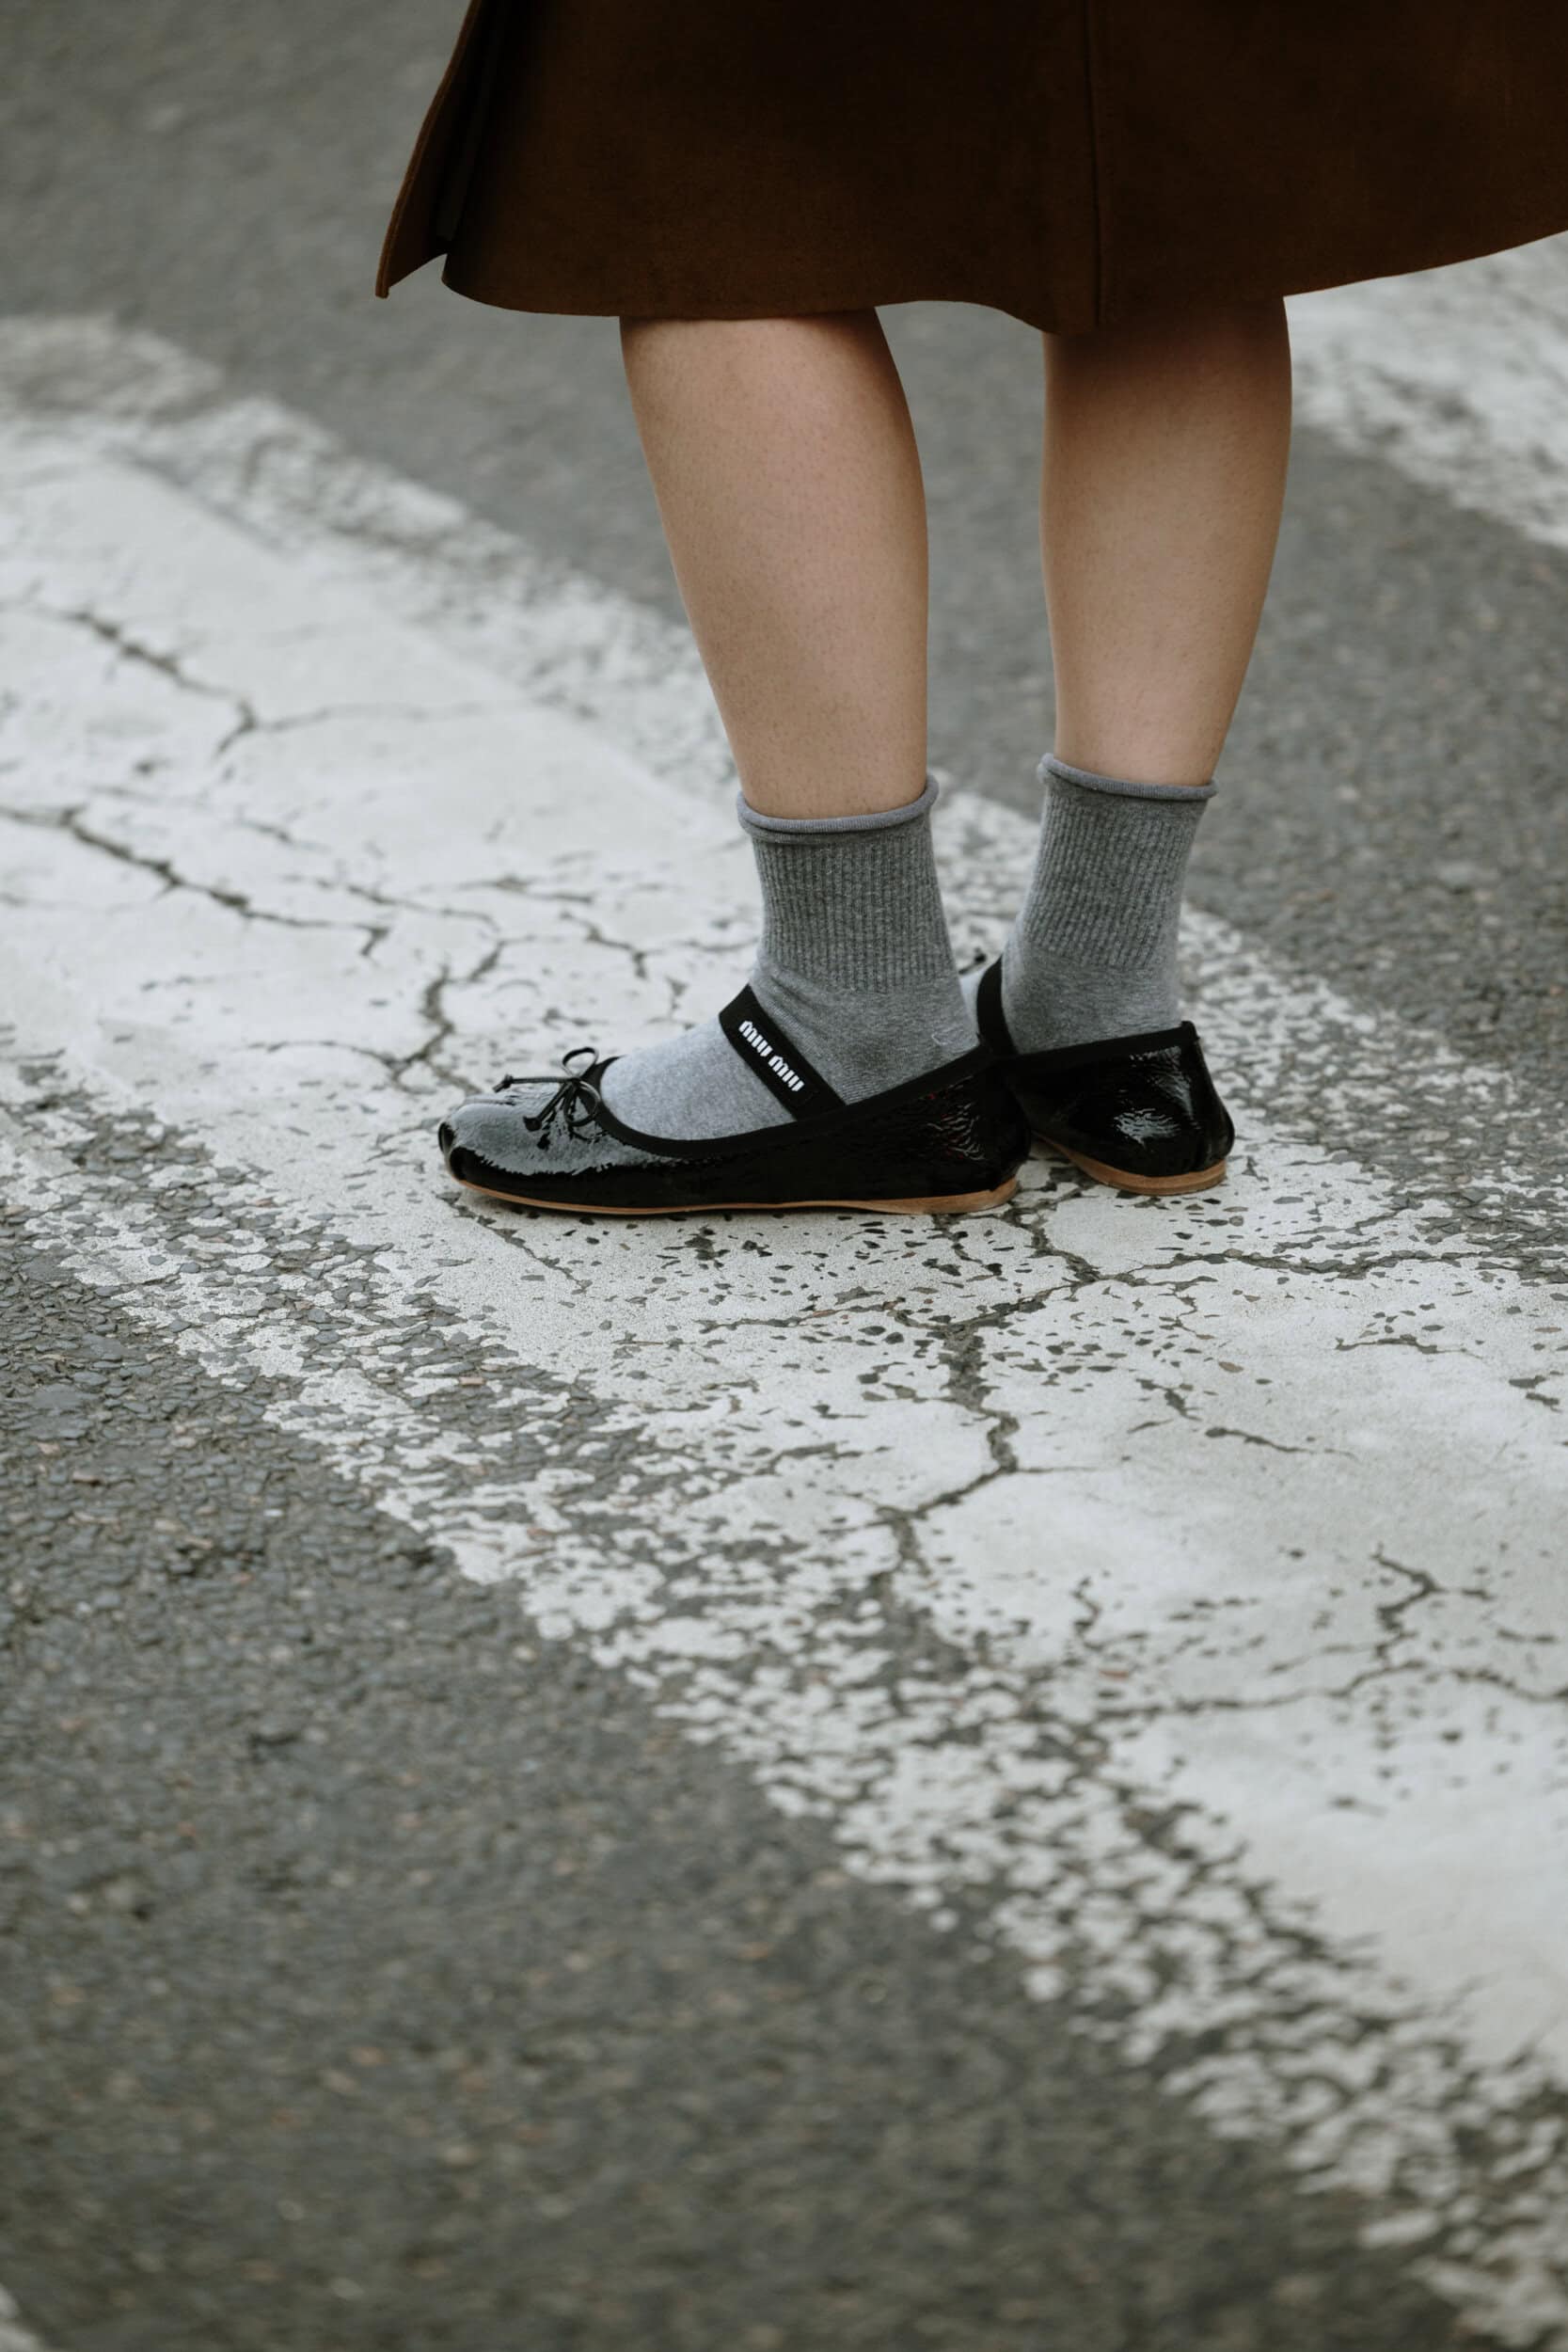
x,y
1140,1112
953,1139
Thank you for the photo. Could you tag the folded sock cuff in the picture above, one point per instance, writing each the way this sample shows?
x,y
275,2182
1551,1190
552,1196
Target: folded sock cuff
x,y
1052,767
880,820
853,903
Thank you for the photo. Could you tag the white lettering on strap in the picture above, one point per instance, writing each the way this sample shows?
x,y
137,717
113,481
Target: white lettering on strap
x,y
774,1059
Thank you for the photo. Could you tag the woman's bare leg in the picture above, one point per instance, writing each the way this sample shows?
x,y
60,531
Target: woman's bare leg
x,y
788,478
1166,451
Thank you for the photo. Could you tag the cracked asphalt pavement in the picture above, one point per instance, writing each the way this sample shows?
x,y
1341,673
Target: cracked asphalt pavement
x,y
377,1980
750,1783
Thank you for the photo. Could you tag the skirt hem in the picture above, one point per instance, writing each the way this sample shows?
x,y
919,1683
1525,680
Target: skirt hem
x,y
1042,317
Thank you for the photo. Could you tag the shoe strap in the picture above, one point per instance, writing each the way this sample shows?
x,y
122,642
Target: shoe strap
x,y
764,1047
990,1019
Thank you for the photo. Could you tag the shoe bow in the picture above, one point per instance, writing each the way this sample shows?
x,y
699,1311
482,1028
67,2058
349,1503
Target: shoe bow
x,y
574,1103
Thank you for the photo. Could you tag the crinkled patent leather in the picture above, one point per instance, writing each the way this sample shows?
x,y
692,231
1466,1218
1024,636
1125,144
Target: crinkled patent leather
x,y
1145,1107
965,1136
1150,1111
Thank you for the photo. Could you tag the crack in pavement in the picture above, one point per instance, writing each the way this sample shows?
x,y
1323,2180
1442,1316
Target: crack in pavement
x,y
70,821
131,649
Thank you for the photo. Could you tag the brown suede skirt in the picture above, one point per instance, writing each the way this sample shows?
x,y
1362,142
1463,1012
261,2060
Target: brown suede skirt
x,y
1072,162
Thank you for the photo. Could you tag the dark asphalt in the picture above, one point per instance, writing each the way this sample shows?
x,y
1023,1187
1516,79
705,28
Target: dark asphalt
x,y
379,1976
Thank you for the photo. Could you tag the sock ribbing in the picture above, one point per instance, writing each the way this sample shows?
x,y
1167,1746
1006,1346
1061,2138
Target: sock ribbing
x,y
1092,953
853,903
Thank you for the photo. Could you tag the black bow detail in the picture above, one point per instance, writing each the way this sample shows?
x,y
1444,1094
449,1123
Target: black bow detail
x,y
576,1098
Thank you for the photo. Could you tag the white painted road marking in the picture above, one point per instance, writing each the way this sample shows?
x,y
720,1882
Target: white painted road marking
x,y
1458,376
14,2337
1246,1504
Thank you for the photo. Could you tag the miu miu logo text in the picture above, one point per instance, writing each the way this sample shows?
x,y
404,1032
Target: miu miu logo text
x,y
775,1061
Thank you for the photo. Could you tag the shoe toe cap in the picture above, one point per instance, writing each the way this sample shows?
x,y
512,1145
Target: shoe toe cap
x,y
493,1128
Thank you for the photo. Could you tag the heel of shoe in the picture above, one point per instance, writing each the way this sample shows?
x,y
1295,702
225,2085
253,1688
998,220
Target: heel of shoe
x,y
1139,1114
1128,1180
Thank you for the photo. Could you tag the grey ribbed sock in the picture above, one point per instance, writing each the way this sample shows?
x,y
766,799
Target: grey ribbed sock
x,y
1092,953
855,967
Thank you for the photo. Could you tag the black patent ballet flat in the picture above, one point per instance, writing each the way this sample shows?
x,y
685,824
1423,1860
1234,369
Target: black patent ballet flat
x,y
1138,1112
949,1141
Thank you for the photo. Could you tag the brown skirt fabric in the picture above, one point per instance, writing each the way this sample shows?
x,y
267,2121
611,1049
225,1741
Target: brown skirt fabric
x,y
1072,162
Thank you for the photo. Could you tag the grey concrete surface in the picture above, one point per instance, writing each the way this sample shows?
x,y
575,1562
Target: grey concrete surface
x,y
373,1982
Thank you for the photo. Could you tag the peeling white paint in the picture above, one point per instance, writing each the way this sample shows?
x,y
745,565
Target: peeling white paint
x,y
1213,1521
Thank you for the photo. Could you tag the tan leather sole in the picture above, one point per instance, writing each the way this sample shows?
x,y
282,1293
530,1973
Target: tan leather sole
x,y
940,1204
1124,1181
